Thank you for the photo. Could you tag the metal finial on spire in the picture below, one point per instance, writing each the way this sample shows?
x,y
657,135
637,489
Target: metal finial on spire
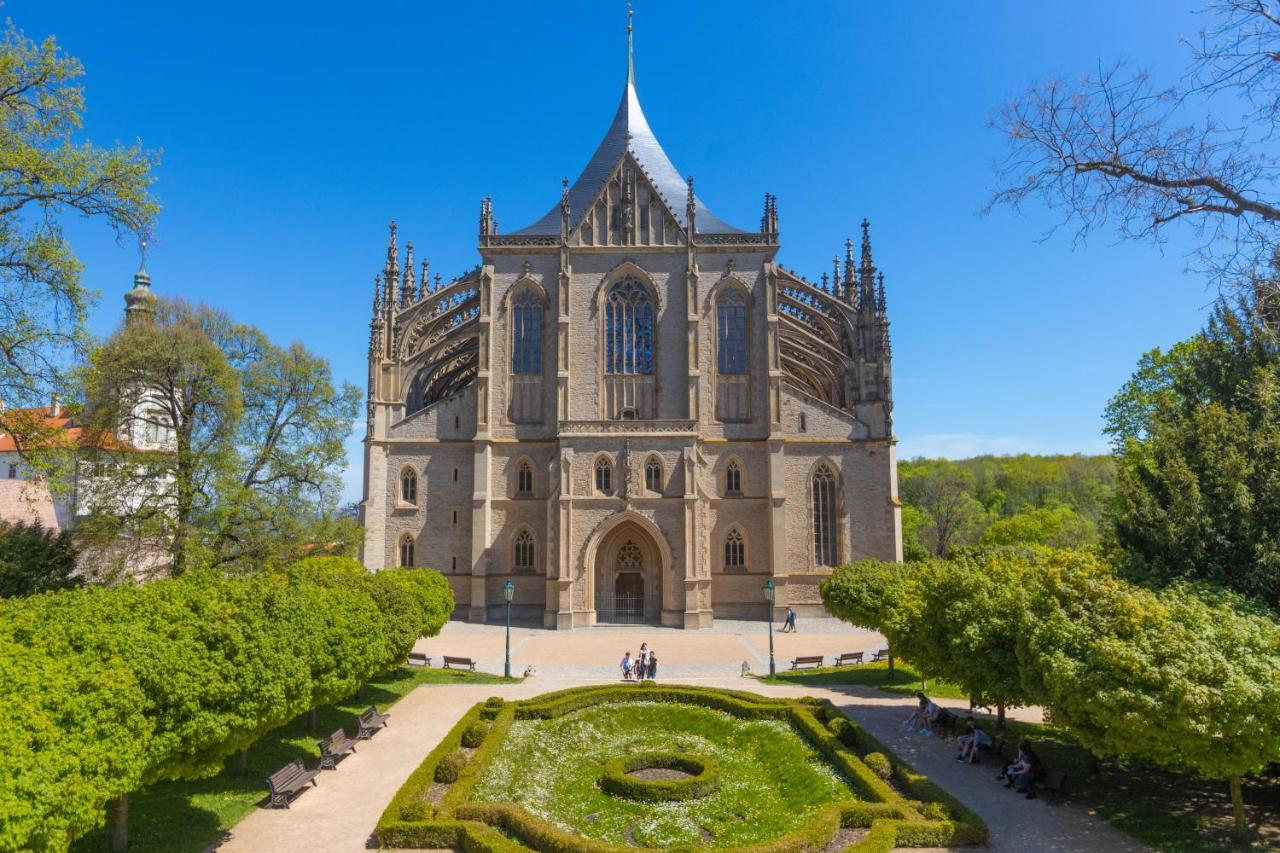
x,y
631,61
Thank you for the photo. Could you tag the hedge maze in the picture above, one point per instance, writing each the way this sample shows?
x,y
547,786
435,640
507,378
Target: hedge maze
x,y
447,802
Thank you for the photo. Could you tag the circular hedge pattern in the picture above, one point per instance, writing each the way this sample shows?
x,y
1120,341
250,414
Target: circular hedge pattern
x,y
702,779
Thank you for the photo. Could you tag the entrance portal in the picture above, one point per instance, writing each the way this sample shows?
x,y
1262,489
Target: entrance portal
x,y
628,578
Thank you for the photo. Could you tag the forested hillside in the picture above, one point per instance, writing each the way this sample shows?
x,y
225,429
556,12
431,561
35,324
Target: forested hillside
x,y
999,500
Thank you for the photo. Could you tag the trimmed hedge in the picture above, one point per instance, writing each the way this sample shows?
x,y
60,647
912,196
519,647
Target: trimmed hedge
x,y
475,734
704,776
891,818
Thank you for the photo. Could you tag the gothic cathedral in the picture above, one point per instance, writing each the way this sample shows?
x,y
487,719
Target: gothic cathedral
x,y
630,409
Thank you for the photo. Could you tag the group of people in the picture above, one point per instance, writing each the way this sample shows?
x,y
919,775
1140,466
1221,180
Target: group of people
x,y
925,717
640,667
1021,774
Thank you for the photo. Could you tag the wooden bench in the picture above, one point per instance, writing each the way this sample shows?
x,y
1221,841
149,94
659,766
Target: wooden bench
x,y
849,657
288,781
419,659
883,654
333,747
1052,781
370,721
812,660
451,662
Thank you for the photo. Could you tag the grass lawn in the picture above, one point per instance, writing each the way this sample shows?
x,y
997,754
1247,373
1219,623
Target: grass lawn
x,y
903,679
771,781
190,816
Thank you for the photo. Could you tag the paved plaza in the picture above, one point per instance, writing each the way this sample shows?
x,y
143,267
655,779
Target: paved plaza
x,y
339,815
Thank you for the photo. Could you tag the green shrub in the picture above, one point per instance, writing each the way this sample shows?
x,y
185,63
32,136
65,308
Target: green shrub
x,y
879,763
474,734
450,767
702,770
36,559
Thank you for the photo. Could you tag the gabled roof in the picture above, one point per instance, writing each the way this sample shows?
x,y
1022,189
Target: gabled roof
x,y
630,133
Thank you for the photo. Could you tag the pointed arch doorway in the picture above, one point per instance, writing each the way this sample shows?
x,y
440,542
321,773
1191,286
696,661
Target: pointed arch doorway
x,y
628,577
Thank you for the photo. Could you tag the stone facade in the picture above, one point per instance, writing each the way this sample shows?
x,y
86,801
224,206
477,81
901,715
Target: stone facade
x,y
629,409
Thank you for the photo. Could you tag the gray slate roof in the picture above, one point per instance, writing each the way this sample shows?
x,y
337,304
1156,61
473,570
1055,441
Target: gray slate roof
x,y
630,132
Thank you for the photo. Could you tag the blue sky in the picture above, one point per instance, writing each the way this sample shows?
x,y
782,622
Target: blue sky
x,y
292,133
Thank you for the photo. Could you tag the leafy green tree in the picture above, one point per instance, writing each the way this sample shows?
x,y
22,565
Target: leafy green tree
x,y
35,559
51,174
943,492
251,450
1198,445
1057,527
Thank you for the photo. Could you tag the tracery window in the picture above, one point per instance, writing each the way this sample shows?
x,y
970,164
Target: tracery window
x,y
825,550
524,480
735,550
731,332
526,333
604,475
653,474
628,329
733,479
408,486
524,551
406,551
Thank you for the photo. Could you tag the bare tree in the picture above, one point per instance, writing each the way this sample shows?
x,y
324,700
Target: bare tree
x,y
1114,150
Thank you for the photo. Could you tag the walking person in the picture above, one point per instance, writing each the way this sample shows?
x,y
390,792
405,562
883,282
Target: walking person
x,y
642,661
626,665
789,623
653,667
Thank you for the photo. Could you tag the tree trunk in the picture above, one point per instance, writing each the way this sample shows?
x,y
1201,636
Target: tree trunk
x,y
1237,806
891,663
360,693
120,824
311,721
242,765
1000,715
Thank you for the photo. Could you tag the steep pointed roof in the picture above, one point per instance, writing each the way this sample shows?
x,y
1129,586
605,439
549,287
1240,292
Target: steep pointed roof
x,y
630,133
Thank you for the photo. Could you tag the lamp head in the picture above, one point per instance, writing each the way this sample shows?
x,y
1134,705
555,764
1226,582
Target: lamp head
x,y
508,591
768,591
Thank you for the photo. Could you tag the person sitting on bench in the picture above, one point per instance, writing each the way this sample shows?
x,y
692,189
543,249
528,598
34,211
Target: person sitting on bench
x,y
924,714
1023,773
972,743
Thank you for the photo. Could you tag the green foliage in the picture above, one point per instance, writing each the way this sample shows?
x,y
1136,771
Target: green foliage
x,y
109,689
253,447
474,734
462,820
879,764
51,175
450,766
1197,444
35,559
1044,500
704,776
432,592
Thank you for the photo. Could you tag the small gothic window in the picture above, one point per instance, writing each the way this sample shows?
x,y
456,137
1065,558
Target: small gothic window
x,y
457,422
455,475
824,516
526,333
803,423
454,564
524,551
653,475
406,551
628,329
408,486
735,551
731,332
733,479
524,480
604,475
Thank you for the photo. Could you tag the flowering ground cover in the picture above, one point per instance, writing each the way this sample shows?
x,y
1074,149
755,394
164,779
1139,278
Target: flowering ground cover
x,y
620,768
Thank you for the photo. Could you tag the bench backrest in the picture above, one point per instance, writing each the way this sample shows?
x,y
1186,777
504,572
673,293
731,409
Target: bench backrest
x,y
287,773
809,659
452,659
338,739
851,656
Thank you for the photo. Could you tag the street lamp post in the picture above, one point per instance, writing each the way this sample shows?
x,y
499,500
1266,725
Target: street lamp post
x,y
768,596
508,592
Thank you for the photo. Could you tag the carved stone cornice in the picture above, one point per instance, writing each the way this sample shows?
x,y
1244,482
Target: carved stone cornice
x,y
633,427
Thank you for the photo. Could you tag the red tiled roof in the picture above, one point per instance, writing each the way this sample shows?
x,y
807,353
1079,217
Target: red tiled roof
x,y
53,421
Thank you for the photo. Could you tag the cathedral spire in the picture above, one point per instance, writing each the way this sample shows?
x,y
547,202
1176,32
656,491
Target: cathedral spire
x,y
848,269
424,283
140,303
631,56
407,283
867,271
392,270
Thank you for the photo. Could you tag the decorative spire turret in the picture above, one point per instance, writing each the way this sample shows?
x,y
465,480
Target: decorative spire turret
x,y
867,271
140,303
631,56
407,284
825,288
769,221
880,303
690,206
835,275
848,269
392,270
486,217
424,283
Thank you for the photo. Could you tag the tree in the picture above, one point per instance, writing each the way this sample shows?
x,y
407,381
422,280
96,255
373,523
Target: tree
x,y
35,559
1056,527
49,174
944,493
252,442
1115,149
1197,434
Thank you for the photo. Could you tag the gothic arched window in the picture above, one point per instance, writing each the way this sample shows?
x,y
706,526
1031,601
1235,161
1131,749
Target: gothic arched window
x,y
825,546
408,486
604,475
733,479
524,480
628,329
735,550
653,474
731,332
526,333
523,549
406,551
